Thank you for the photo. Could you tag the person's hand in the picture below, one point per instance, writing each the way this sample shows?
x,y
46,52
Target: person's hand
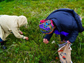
x,y
26,38
45,41
68,42
20,32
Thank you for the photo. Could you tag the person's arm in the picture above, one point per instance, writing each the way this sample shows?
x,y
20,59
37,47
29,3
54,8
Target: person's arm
x,y
17,34
73,36
47,38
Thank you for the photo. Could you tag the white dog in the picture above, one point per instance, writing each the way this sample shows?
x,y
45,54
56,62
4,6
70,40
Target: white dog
x,y
10,24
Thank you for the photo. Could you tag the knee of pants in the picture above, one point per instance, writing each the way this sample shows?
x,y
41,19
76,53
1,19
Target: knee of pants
x,y
1,40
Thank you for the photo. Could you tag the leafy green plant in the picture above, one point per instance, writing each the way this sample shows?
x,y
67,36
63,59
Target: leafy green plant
x,y
34,50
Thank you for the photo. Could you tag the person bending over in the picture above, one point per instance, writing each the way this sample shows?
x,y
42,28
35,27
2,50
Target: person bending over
x,y
10,24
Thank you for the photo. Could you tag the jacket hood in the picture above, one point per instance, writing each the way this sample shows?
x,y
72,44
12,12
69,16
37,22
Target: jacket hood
x,y
22,21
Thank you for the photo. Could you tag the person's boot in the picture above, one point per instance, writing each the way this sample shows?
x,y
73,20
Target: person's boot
x,y
3,46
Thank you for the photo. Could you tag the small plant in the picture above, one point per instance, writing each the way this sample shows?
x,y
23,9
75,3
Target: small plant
x,y
34,50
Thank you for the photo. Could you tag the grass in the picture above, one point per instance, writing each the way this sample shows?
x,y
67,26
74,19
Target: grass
x,y
34,50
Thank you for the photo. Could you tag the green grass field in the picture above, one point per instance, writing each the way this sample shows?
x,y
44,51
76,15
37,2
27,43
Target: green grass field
x,y
34,50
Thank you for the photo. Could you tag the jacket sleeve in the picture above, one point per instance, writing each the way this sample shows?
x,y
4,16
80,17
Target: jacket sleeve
x,y
16,33
48,36
73,36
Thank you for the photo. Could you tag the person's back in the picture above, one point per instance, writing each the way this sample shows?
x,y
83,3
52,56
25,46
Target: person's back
x,y
7,22
63,20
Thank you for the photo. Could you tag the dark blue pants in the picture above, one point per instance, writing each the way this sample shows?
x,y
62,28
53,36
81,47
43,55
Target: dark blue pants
x,y
1,41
